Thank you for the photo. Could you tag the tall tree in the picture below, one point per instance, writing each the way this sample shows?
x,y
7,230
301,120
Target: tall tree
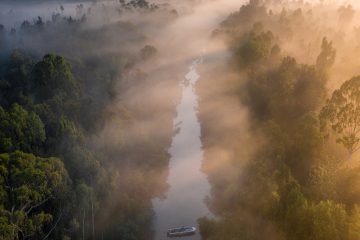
x,y
53,76
342,113
20,130
327,56
28,183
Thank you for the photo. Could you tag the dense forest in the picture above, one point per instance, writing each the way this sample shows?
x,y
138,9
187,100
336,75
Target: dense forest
x,y
88,96
72,161
281,127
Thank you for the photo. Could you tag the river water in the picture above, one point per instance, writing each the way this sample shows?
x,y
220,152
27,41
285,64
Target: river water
x,y
188,185
184,201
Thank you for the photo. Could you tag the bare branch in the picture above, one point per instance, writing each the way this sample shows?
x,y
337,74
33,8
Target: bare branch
x,y
37,205
26,205
52,229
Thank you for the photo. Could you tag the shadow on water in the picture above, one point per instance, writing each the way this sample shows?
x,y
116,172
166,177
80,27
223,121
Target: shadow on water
x,y
184,202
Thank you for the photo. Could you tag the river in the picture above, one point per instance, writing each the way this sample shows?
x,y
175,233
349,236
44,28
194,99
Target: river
x,y
188,185
184,202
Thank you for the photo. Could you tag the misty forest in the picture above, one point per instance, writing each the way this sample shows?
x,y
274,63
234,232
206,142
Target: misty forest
x,y
197,119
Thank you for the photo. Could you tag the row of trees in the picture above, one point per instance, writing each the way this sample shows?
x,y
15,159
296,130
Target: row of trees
x,y
297,183
62,176
39,115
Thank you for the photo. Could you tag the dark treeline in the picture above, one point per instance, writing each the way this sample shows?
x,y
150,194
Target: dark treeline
x,y
74,164
299,178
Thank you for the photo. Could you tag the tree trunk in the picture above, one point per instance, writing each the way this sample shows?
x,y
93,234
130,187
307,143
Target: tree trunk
x,y
83,226
92,216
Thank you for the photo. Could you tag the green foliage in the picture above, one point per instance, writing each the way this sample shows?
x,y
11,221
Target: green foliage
x,y
27,184
20,130
342,113
50,126
354,231
248,14
50,108
53,76
347,184
285,93
325,220
70,97
329,221
294,186
255,49
15,84
324,178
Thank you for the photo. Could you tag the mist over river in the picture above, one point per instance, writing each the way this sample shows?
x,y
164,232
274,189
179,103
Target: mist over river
x,y
144,98
221,119
184,202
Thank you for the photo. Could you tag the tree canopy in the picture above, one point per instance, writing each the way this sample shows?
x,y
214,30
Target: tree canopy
x,y
20,130
27,184
342,113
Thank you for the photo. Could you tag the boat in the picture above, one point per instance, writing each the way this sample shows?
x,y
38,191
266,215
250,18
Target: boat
x,y
180,232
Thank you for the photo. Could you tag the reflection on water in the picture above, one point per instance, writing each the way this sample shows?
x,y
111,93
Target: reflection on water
x,y
184,202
